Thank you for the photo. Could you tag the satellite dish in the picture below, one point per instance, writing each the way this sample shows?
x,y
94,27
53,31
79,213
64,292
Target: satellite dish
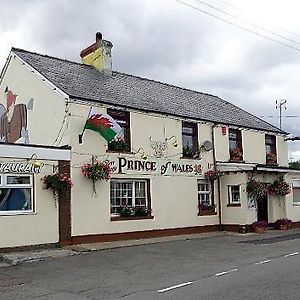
x,y
207,145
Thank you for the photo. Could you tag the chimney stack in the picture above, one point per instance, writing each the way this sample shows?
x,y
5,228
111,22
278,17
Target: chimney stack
x,y
98,55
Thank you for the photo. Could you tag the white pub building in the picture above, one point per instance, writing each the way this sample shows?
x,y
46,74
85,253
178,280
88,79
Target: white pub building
x,y
180,163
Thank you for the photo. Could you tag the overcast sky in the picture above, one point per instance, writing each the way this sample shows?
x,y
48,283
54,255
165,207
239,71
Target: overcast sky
x,y
171,42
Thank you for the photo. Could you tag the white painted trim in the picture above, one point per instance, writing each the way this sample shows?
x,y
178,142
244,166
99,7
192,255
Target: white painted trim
x,y
266,169
235,167
34,152
43,78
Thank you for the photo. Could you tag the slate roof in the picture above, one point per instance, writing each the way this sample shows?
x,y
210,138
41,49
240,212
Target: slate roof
x,y
84,82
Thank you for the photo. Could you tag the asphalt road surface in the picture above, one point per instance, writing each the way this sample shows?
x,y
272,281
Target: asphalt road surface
x,y
217,267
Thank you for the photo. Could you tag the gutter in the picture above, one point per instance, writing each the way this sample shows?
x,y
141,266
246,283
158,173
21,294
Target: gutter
x,y
218,180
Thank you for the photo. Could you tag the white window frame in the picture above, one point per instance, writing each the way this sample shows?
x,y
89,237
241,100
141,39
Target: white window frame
x,y
296,203
206,192
230,198
133,181
30,185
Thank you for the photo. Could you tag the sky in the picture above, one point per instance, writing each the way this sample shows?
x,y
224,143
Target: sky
x,y
244,51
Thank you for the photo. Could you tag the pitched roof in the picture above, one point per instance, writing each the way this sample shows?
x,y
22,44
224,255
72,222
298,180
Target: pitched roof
x,y
84,82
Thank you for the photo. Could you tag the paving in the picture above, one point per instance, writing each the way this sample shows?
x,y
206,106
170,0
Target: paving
x,y
11,259
219,265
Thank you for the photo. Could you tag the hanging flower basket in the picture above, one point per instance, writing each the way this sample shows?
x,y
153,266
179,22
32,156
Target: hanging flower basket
x,y
97,171
57,183
257,189
213,175
279,187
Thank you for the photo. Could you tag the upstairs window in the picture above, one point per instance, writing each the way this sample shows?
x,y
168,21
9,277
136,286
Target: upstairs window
x,y
235,144
271,153
121,143
190,147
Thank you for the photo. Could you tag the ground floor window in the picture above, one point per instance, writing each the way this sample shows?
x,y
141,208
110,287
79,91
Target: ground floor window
x,y
234,195
205,199
296,191
130,197
16,193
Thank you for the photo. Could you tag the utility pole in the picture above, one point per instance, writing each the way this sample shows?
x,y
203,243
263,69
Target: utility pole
x,y
279,105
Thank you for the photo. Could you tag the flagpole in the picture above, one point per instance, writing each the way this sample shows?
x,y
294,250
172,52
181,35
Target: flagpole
x,y
81,135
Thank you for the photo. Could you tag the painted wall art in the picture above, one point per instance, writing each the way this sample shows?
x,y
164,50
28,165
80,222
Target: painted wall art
x,y
13,119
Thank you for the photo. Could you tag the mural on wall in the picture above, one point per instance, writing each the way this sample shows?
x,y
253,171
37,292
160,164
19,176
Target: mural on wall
x,y
13,119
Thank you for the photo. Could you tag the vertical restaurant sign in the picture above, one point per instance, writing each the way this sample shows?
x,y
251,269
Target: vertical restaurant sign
x,y
122,165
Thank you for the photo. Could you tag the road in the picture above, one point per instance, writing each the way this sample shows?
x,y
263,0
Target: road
x,y
216,267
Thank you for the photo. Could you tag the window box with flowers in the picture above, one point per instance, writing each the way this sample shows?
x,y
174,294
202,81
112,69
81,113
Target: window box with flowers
x,y
271,159
236,154
57,183
133,213
190,152
97,171
119,145
206,209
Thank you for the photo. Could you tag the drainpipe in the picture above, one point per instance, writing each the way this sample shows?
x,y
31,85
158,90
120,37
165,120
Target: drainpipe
x,y
218,180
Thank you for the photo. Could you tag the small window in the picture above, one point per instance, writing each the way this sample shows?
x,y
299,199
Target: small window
x,y
235,144
16,194
121,143
190,147
234,196
205,202
132,194
271,153
296,191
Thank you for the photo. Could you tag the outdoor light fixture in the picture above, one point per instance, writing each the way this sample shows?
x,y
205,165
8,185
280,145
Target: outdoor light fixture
x,y
33,160
142,152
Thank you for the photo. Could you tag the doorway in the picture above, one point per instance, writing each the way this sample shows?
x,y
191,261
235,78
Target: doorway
x,y
262,209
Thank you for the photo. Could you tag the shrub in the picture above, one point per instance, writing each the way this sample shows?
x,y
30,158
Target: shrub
x,y
260,224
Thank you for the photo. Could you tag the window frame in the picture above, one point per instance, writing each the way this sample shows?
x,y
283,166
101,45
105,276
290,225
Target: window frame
x,y
210,193
30,185
122,117
272,145
195,139
116,216
238,141
230,198
296,203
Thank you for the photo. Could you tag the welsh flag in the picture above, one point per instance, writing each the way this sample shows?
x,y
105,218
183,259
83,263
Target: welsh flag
x,y
103,124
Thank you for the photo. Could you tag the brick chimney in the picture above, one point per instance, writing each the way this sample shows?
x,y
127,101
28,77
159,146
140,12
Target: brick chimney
x,y
98,55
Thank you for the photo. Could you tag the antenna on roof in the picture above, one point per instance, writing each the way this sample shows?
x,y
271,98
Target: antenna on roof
x,y
279,105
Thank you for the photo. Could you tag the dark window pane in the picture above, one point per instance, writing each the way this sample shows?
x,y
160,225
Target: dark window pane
x,y
296,195
18,180
15,199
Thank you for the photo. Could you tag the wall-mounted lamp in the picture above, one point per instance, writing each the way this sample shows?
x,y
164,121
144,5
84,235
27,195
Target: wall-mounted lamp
x,y
33,160
142,153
